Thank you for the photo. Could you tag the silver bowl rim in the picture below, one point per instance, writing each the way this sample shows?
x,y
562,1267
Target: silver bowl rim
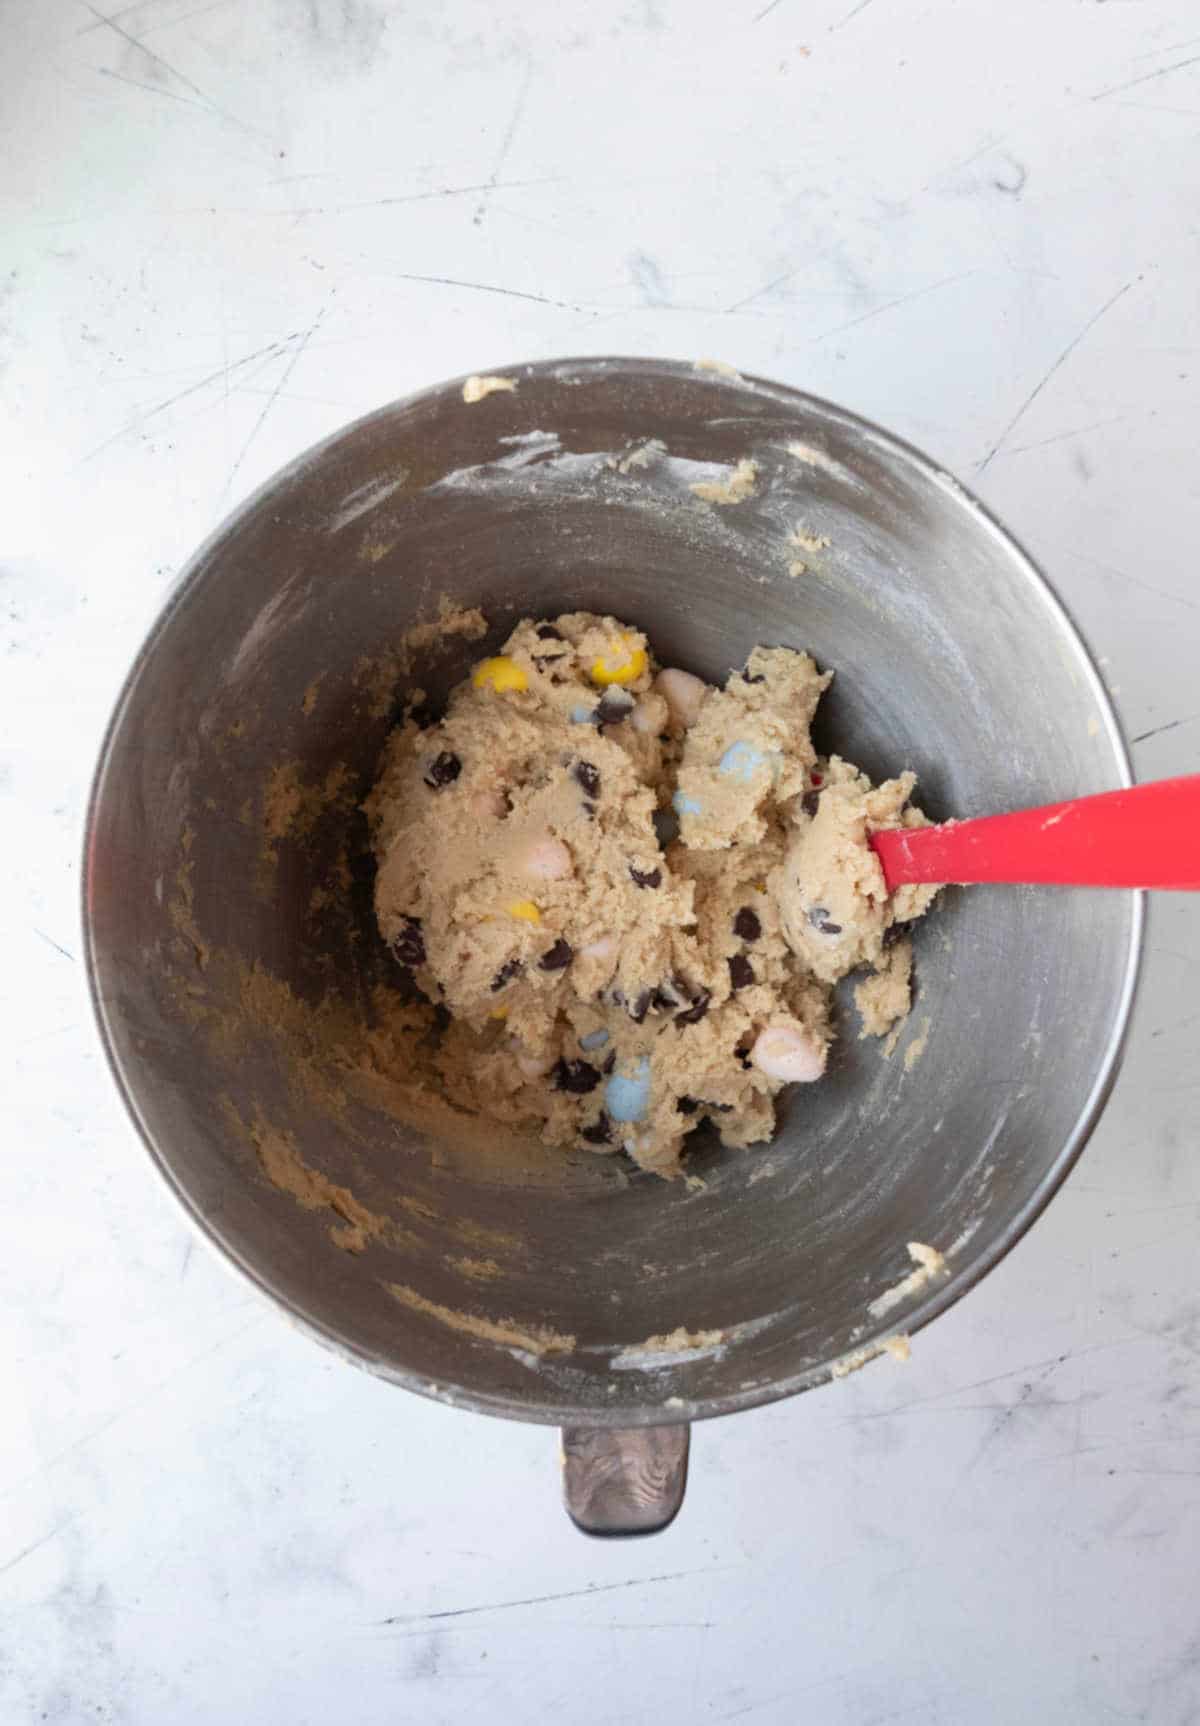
x,y
961,1280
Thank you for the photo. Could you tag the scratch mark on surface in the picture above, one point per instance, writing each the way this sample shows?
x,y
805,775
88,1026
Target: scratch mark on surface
x,y
212,378
758,293
981,467
1013,1409
414,197
1074,431
138,6
505,145
483,288
154,89
297,351
1146,78
141,47
1171,725
890,305
34,1545
841,24
54,944
180,77
766,12
1123,575
138,1402
545,1599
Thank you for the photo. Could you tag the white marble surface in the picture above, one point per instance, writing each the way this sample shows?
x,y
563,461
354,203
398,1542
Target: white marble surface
x,y
231,226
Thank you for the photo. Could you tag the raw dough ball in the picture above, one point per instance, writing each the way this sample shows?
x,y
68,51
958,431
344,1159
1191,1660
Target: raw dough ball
x,y
608,984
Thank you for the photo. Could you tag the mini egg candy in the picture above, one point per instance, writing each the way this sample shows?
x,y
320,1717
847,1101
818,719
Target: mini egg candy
x,y
531,1063
683,695
489,805
789,1054
594,1039
650,715
603,947
627,1095
525,910
741,761
682,804
501,674
622,663
545,858
581,715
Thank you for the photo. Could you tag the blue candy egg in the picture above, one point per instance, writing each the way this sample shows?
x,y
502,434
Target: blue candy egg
x,y
741,761
685,805
582,715
594,1039
627,1095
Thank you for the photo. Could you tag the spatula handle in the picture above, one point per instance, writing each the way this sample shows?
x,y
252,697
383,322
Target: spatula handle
x,y
1145,837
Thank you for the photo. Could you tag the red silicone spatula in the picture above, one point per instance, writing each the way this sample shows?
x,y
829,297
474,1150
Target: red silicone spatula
x,y
1146,837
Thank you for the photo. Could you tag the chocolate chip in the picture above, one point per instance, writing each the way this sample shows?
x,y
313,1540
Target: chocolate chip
x,y
692,1015
753,677
646,877
587,777
611,1062
589,808
510,969
599,1132
746,924
577,1077
664,1001
442,770
558,958
615,705
810,801
743,1056
640,1005
547,632
819,918
409,944
893,933
686,1105
741,972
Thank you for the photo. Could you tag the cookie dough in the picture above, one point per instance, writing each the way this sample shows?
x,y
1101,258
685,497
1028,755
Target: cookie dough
x,y
629,892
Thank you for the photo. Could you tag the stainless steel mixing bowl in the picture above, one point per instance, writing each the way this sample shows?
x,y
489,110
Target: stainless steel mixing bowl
x,y
952,657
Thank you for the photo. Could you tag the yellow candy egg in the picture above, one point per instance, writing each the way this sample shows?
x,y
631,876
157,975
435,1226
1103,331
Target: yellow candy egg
x,y
498,1013
621,664
525,909
500,674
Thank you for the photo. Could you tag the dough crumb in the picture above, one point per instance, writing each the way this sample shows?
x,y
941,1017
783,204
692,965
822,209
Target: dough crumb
x,y
917,1047
886,996
640,455
740,485
720,366
895,1346
809,542
532,1339
930,1264
476,387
